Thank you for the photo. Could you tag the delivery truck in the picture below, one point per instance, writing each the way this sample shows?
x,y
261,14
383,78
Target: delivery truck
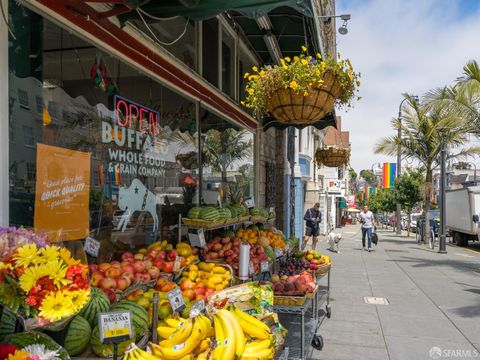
x,y
462,214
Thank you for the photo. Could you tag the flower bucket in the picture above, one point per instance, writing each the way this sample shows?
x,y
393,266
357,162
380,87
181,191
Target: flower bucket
x,y
292,107
332,157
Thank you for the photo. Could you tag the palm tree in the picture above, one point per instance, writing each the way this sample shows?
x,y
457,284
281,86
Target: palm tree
x,y
425,127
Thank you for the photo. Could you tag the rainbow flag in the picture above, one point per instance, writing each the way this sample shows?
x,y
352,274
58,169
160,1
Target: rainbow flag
x,y
373,190
434,199
389,174
115,175
367,193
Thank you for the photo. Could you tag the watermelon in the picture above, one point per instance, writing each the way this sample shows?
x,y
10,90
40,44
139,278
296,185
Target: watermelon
x,y
209,213
241,210
24,339
194,212
106,350
255,211
229,233
98,303
269,252
139,316
224,213
8,321
77,336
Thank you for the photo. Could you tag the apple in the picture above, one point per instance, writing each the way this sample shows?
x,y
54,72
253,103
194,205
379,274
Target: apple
x,y
115,263
142,277
213,255
154,272
194,251
110,294
135,295
148,264
189,293
158,263
153,253
92,268
217,247
186,284
200,291
103,267
138,256
123,283
108,283
171,255
167,267
129,275
113,272
225,240
95,278
139,266
128,268
162,255
127,255
209,292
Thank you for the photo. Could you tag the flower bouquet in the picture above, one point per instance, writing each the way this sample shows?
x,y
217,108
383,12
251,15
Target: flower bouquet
x,y
301,90
43,284
31,346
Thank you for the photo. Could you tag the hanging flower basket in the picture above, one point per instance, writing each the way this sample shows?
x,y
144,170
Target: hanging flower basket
x,y
332,157
302,90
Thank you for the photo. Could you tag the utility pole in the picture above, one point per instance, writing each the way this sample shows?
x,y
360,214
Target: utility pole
x,y
443,243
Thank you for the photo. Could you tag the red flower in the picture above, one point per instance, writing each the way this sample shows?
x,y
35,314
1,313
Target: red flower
x,y
6,350
74,270
31,300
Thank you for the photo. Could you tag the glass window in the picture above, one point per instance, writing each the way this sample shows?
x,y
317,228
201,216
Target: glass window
x,y
23,98
228,64
245,65
28,138
210,51
39,104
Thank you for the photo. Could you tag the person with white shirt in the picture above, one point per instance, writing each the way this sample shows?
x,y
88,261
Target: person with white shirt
x,y
368,222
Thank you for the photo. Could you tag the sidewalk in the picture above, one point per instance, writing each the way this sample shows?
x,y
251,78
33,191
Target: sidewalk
x,y
434,301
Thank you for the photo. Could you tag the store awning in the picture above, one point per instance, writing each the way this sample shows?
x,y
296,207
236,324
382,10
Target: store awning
x,y
354,210
342,203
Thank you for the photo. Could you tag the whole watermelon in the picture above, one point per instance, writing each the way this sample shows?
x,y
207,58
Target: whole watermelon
x,y
8,321
77,336
194,212
255,211
98,303
233,211
209,213
24,339
139,316
106,350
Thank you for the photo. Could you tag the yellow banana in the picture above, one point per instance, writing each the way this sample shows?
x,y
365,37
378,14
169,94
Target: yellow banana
x,y
165,331
174,322
230,342
179,351
181,333
204,345
251,330
251,319
260,355
205,322
258,345
238,331
204,355
219,337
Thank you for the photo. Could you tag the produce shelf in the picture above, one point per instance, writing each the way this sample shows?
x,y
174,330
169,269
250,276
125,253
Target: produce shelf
x,y
295,350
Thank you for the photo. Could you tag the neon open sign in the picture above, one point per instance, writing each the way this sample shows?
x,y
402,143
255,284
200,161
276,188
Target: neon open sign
x,y
131,115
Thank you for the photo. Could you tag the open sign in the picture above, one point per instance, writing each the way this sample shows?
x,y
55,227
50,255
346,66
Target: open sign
x,y
131,115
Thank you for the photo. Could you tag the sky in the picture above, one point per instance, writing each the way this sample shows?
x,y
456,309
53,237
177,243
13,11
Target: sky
x,y
401,46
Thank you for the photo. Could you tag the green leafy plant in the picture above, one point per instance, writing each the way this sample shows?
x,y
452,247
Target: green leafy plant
x,y
303,73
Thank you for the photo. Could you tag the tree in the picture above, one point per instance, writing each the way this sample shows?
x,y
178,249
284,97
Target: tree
x,y
462,165
408,193
425,126
368,176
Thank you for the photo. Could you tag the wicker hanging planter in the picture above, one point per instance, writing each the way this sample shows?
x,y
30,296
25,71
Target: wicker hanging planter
x,y
332,157
292,107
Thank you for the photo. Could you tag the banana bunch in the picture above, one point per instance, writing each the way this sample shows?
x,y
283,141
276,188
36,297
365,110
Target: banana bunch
x,y
133,352
232,328
187,339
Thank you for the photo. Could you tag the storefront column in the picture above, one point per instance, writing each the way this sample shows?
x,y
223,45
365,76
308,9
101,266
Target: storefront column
x,y
4,96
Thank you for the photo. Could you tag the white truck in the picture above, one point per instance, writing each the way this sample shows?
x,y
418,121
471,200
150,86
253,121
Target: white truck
x,y
462,214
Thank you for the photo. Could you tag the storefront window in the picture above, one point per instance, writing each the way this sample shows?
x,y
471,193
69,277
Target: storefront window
x,y
134,138
228,64
210,51
227,152
245,65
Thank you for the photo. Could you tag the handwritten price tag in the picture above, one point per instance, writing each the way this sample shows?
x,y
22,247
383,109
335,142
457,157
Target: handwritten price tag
x,y
264,266
115,326
177,264
278,252
197,308
91,246
198,239
176,300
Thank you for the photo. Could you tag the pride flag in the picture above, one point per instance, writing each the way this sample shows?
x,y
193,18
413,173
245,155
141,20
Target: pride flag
x,y
115,175
389,174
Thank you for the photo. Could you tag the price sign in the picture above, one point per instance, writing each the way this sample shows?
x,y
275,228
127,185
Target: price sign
x,y
251,268
91,246
278,252
250,203
115,327
197,308
264,266
198,239
176,300
177,264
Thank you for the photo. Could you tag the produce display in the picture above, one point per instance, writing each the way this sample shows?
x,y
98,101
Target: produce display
x,y
33,345
297,285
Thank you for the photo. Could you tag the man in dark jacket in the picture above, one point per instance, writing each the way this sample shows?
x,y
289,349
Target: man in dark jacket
x,y
313,218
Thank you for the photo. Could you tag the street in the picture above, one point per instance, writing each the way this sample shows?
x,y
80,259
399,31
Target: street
x,y
433,309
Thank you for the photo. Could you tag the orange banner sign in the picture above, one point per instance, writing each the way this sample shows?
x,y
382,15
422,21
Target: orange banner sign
x,y
62,193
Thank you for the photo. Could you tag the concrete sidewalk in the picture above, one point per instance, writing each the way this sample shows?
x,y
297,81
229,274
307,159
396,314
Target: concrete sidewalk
x,y
434,301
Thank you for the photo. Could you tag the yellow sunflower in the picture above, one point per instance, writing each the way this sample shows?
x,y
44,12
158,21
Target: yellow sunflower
x,y
6,266
56,306
18,355
50,253
79,299
66,256
27,255
57,272
30,276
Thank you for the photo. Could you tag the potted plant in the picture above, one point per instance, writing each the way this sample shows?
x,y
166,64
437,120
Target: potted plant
x,y
301,90
332,156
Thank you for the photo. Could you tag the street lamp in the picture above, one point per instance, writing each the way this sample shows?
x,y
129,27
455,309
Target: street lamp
x,y
373,172
399,160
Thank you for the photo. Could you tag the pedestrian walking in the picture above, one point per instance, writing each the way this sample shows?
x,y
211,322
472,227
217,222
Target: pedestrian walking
x,y
313,218
368,222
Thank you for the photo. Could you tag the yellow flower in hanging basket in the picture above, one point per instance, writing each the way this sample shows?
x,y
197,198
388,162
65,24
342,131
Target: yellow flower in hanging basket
x,y
304,90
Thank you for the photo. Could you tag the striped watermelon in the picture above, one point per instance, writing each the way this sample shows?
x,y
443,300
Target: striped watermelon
x,y
194,212
224,213
209,213
98,303
106,350
240,210
7,323
78,336
269,252
233,211
255,211
139,316
24,339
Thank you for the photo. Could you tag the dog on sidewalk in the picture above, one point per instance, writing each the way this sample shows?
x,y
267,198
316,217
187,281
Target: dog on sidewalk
x,y
334,240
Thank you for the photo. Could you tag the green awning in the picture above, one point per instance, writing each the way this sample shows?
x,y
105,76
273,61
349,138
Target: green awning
x,y
205,9
342,204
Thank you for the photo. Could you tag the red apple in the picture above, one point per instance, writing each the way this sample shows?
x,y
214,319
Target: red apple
x,y
108,283
139,266
127,255
186,284
154,272
213,255
167,267
123,283
92,268
135,295
103,267
225,240
200,291
153,253
96,277
115,263
148,264
158,263
113,272
162,255
190,294
209,292
217,247
110,294
128,268
171,255
129,275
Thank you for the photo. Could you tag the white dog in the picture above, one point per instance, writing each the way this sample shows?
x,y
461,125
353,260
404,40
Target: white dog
x,y
333,240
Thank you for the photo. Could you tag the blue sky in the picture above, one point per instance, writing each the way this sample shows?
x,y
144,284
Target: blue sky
x,y
401,46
